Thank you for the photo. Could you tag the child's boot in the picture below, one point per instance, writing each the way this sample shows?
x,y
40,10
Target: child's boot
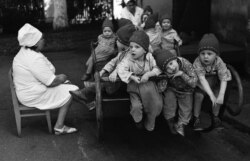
x,y
197,126
86,77
171,125
179,127
217,124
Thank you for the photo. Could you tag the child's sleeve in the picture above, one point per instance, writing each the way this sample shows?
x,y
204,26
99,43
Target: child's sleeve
x,y
154,67
198,68
223,73
189,75
176,36
123,70
111,65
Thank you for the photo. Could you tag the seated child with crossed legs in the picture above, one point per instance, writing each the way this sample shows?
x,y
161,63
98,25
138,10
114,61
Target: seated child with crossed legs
x,y
213,77
177,89
105,48
136,70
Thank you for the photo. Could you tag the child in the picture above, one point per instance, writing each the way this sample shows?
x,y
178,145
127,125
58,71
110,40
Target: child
x,y
135,70
105,48
181,81
123,34
168,34
154,35
87,94
144,18
213,76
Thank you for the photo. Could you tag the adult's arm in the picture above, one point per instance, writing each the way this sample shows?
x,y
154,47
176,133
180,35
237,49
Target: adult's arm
x,y
59,79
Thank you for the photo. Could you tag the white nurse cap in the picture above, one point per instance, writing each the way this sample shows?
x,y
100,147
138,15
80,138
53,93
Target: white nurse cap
x,y
28,35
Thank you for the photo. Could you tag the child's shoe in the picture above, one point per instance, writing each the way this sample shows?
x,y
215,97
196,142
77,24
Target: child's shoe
x,y
217,124
86,77
179,127
139,125
197,126
171,126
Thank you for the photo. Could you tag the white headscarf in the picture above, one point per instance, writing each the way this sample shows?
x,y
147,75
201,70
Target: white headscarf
x,y
28,35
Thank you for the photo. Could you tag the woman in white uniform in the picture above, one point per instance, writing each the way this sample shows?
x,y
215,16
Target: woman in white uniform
x,y
132,12
35,81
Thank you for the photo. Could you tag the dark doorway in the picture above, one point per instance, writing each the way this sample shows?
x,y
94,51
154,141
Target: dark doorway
x,y
191,17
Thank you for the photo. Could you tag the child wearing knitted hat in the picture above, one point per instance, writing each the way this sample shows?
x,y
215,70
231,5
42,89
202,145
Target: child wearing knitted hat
x,y
213,77
168,34
105,48
87,94
151,31
177,89
123,36
135,70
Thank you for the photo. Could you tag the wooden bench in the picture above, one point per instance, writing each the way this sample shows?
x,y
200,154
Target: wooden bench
x,y
234,108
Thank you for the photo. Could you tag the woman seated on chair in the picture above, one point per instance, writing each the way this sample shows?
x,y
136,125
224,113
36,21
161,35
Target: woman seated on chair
x,y
35,81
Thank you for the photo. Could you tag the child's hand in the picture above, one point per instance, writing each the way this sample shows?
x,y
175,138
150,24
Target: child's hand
x,y
162,85
113,77
220,100
102,72
179,73
135,79
144,78
213,100
180,42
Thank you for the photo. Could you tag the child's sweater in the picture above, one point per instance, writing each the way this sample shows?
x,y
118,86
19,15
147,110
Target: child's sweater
x,y
105,47
167,39
186,82
129,67
218,68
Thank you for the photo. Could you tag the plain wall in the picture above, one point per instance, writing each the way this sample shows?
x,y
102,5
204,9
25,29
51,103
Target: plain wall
x,y
229,20
160,6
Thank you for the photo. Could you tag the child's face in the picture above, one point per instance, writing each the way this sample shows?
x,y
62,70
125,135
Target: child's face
x,y
172,67
207,57
144,18
120,46
107,32
166,24
137,52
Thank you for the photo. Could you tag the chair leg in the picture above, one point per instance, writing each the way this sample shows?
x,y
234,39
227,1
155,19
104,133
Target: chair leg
x,y
48,118
18,123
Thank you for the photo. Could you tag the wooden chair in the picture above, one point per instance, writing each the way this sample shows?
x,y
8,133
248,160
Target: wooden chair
x,y
24,111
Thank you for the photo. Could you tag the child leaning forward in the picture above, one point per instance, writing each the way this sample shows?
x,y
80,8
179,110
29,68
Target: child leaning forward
x,y
136,70
213,77
177,89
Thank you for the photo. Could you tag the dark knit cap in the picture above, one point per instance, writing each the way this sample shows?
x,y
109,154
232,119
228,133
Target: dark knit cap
x,y
163,17
124,22
141,38
163,57
107,23
150,23
148,8
124,33
209,42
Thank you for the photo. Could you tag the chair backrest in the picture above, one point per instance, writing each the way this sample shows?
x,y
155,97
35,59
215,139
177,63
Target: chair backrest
x,y
12,89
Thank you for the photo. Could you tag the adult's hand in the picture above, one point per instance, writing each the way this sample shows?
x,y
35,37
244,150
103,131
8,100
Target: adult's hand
x,y
59,79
